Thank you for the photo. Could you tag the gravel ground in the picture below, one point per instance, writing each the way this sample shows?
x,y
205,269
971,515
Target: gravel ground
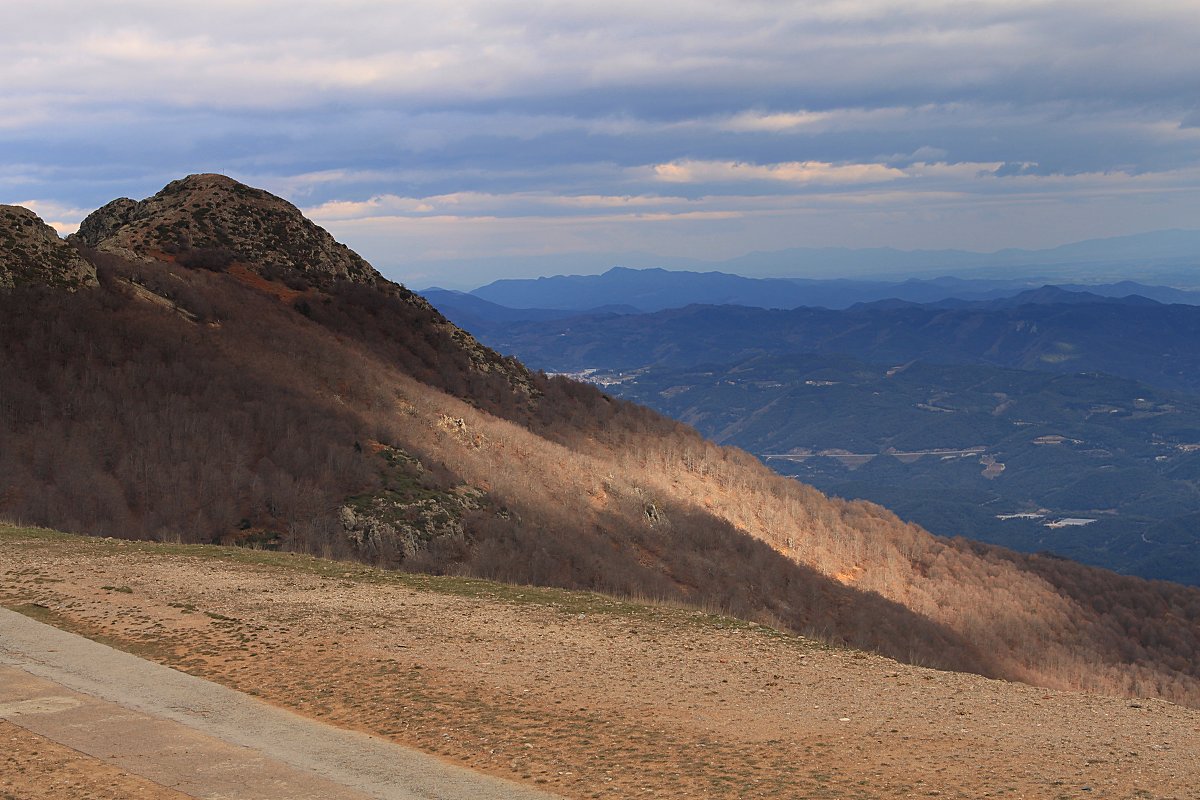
x,y
33,767
590,697
201,738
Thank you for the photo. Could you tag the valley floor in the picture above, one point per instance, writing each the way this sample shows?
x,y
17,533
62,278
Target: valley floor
x,y
579,694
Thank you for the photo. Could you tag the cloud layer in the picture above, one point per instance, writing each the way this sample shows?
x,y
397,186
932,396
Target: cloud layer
x,y
466,128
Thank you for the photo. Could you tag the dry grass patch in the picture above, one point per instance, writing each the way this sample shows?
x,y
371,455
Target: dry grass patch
x,y
588,695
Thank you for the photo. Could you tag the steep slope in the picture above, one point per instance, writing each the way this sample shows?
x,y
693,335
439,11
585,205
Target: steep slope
x,y
960,449
288,407
215,223
32,254
220,217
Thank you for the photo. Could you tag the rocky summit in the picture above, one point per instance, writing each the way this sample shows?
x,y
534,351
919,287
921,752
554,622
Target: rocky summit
x,y
215,217
31,253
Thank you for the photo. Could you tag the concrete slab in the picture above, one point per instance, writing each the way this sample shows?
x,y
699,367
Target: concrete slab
x,y
202,738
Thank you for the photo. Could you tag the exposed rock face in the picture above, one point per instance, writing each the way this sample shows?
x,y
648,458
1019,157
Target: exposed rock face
x,y
216,213
398,532
213,221
104,221
405,517
31,253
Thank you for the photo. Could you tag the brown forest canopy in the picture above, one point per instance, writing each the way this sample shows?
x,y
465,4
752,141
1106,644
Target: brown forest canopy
x,y
196,394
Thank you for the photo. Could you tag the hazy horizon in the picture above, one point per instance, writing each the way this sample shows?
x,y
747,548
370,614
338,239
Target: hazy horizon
x,y
489,132
1167,258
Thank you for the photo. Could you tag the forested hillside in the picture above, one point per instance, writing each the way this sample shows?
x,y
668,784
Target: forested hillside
x,y
208,389
994,454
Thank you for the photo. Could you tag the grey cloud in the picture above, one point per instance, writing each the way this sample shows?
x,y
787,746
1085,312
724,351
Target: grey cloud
x,y
498,96
619,57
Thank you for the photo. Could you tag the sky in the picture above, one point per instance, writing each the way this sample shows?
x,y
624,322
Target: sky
x,y
454,142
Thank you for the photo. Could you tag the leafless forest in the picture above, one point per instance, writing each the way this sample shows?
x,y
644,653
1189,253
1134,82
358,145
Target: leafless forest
x,y
199,402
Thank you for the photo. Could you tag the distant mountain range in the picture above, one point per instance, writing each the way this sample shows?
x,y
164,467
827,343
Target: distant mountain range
x,y
1168,257
622,290
1133,338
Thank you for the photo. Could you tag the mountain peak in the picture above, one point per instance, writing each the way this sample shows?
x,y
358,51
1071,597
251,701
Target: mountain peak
x,y
32,253
215,213
1056,295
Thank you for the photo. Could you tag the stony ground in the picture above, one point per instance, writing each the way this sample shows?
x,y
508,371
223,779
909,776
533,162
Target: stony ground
x,y
34,768
584,695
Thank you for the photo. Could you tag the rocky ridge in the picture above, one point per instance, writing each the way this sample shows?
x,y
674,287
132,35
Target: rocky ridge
x,y
210,220
216,216
31,253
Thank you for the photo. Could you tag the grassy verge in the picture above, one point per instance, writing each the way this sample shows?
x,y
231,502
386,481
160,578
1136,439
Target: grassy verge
x,y
566,601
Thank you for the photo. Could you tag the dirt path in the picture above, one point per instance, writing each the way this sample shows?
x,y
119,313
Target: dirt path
x,y
201,738
594,698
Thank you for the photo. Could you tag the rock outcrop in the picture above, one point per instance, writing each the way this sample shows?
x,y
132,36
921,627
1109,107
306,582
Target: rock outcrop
x,y
407,516
31,253
215,222
216,214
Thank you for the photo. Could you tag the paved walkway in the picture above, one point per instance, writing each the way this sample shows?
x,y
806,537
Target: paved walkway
x,y
201,738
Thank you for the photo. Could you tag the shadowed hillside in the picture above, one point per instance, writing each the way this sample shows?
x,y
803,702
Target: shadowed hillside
x,y
201,396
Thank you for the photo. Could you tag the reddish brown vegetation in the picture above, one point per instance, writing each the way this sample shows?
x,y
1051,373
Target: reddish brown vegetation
x,y
256,409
